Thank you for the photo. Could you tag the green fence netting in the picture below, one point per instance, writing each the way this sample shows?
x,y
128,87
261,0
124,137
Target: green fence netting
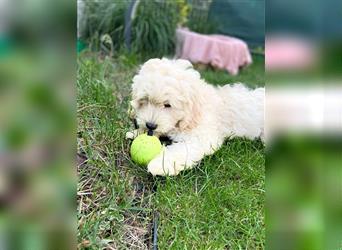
x,y
244,19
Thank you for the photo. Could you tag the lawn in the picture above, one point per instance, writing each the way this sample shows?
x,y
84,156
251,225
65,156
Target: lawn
x,y
217,205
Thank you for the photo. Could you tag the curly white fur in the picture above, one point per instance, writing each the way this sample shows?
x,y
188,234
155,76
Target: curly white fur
x,y
201,116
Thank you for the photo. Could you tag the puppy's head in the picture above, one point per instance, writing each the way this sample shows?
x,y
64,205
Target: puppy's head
x,y
166,96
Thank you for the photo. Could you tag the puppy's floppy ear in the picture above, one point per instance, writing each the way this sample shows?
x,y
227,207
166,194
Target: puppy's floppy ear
x,y
134,96
193,112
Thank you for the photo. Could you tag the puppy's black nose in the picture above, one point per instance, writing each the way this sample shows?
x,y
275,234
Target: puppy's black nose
x,y
151,125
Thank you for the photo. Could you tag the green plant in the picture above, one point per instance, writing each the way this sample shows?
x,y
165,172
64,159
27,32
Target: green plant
x,y
154,27
203,27
198,18
184,9
105,18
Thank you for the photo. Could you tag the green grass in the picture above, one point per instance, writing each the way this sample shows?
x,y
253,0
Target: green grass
x,y
252,76
217,205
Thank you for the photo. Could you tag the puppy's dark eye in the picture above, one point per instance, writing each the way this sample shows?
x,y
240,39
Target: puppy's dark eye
x,y
166,105
142,102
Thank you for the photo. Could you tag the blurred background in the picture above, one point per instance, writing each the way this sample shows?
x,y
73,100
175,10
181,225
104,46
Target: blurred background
x,y
303,56
38,53
37,124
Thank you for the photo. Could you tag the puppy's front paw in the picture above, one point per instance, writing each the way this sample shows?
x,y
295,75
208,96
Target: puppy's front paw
x,y
160,166
131,134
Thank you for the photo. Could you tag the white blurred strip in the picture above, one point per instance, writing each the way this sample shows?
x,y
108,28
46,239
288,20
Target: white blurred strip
x,y
303,109
4,16
333,109
81,22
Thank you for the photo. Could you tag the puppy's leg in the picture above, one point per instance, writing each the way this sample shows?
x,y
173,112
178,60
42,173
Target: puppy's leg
x,y
132,134
179,156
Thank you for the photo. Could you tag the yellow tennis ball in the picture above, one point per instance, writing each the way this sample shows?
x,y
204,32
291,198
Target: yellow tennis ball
x,y
144,148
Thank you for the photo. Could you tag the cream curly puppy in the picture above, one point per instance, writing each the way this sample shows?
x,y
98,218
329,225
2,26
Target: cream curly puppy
x,y
170,98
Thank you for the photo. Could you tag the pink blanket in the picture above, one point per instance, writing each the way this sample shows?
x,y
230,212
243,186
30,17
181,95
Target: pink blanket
x,y
220,51
289,53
